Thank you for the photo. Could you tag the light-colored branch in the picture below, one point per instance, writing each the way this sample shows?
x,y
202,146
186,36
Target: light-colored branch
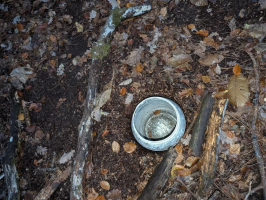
x,y
253,131
99,51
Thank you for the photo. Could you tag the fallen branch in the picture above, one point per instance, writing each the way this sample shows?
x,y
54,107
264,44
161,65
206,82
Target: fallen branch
x,y
159,177
201,122
210,155
53,184
253,131
9,158
99,51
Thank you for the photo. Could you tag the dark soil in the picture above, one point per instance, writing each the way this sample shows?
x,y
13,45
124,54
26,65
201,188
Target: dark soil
x,y
60,123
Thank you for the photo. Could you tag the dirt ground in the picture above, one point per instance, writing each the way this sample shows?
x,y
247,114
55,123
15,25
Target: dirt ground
x,y
49,37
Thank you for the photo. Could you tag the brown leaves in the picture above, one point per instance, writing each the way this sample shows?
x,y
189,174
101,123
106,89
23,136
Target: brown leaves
x,y
237,69
139,68
134,58
20,27
238,90
203,32
199,2
105,185
186,92
129,147
36,107
105,132
206,79
210,59
115,146
123,91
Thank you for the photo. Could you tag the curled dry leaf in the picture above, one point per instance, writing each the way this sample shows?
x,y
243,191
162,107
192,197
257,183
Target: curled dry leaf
x,y
192,160
210,42
139,68
105,185
237,69
129,147
174,170
163,11
123,91
24,55
92,194
199,2
238,90
20,27
115,146
235,178
183,172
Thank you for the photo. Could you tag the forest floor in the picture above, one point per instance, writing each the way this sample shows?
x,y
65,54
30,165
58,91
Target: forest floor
x,y
156,54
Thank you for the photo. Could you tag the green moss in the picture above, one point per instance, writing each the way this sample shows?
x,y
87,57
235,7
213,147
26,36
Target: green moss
x,y
117,16
100,50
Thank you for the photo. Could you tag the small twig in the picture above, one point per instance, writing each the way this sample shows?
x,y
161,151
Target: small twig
x,y
251,191
253,125
184,185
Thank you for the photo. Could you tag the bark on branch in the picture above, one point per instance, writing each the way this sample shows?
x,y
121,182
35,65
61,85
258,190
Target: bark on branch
x,y
210,155
99,51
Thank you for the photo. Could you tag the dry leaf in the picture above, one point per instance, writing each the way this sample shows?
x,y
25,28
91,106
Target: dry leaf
x,y
21,116
39,134
114,195
237,69
79,27
238,90
186,92
203,32
191,26
105,132
24,55
104,171
234,178
199,2
206,79
179,158
123,91
105,185
210,42
52,63
156,112
175,168
130,147
20,27
36,107
139,68
235,148
115,147
163,11
128,5
221,167
101,197
192,160
134,57
177,60
230,134
210,59
92,194
183,172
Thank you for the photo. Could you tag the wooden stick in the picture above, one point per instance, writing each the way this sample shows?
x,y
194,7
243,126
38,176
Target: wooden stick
x,y
201,122
253,131
210,156
53,184
99,51
159,177
9,158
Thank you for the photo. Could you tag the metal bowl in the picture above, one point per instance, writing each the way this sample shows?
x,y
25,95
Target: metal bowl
x,y
158,123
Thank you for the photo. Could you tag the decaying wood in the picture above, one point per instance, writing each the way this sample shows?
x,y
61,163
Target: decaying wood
x,y
253,131
99,51
200,125
9,158
53,184
159,177
210,155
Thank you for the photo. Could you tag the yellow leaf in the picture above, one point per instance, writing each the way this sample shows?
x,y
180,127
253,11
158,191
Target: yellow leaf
x,y
105,185
123,91
21,116
139,67
206,79
238,90
237,69
128,5
79,27
130,147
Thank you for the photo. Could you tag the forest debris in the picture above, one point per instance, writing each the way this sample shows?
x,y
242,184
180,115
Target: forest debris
x,y
129,147
126,82
210,59
134,58
66,157
105,185
115,146
199,2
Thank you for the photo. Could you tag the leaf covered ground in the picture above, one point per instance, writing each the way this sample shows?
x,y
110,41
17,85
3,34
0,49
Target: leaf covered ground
x,y
178,50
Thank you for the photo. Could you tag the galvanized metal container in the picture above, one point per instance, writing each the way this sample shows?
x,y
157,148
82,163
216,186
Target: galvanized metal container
x,y
158,123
